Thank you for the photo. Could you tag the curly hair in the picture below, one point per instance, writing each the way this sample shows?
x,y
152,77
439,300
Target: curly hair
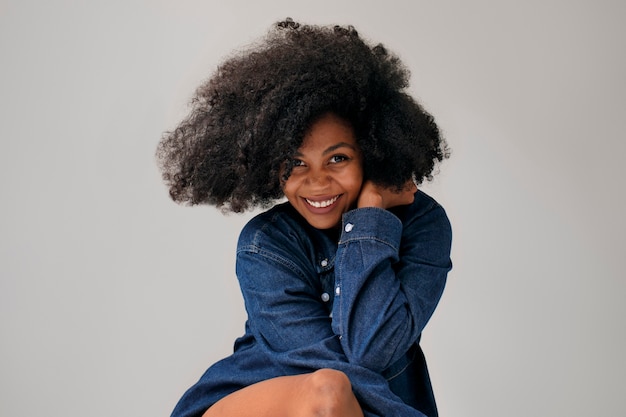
x,y
234,148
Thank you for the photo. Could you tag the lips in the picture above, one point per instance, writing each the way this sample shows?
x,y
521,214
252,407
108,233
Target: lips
x,y
322,203
322,211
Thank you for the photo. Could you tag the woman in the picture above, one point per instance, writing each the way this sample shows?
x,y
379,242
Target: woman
x,y
339,280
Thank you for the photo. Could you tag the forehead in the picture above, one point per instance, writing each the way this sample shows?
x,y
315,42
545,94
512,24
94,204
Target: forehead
x,y
329,130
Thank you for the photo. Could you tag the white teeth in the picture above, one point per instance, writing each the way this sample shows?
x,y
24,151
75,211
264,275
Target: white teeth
x,y
322,204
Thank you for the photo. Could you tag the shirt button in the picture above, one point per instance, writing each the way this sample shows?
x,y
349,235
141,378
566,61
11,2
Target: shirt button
x,y
325,297
338,290
348,227
324,263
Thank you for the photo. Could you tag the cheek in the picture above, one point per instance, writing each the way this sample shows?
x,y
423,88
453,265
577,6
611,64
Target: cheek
x,y
355,182
358,176
289,188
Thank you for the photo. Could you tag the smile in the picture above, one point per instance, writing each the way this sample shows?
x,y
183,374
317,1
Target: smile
x,y
323,204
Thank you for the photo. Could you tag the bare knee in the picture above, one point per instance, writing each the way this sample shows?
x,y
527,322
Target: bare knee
x,y
329,380
330,393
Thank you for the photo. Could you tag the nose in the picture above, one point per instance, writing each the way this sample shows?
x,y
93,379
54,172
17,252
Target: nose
x,y
318,178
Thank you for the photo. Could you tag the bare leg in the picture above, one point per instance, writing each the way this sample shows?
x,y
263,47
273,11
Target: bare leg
x,y
325,393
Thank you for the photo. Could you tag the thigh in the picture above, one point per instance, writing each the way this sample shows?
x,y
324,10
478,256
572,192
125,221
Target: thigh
x,y
324,392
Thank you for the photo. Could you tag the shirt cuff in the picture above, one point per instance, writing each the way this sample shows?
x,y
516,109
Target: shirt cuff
x,y
371,223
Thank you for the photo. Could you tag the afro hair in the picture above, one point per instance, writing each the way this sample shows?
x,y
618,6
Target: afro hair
x,y
234,148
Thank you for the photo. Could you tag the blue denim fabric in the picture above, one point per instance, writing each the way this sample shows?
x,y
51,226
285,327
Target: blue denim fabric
x,y
354,300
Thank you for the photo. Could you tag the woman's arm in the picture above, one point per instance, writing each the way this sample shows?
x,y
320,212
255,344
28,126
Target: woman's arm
x,y
389,279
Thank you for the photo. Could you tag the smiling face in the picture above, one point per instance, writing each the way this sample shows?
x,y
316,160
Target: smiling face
x,y
327,174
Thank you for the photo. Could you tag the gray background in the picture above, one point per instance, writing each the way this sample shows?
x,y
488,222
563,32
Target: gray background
x,y
113,300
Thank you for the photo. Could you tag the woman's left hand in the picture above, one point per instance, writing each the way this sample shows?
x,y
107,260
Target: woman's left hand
x,y
373,195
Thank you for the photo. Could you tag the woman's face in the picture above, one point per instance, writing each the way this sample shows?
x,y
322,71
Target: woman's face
x,y
327,174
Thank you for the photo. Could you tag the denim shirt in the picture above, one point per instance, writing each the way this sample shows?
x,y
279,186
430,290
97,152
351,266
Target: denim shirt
x,y
355,300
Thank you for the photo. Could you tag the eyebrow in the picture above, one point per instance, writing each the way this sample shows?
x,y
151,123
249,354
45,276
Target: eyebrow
x,y
333,148
337,146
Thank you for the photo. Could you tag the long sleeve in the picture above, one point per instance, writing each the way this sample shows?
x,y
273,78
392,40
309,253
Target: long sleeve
x,y
389,279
